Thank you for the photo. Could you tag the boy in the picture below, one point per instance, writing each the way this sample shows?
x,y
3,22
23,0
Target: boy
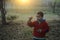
x,y
40,27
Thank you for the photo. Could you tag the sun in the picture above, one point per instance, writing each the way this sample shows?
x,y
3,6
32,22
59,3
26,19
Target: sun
x,y
24,1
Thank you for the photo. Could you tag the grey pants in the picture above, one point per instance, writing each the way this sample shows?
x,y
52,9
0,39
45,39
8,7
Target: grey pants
x,y
39,38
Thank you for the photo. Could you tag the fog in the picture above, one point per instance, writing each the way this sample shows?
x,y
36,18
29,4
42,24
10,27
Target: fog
x,y
29,10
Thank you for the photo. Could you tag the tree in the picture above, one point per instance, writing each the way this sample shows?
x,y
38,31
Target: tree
x,y
3,12
53,5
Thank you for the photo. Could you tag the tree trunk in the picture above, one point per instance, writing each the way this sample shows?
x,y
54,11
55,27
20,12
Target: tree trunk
x,y
3,16
54,7
3,12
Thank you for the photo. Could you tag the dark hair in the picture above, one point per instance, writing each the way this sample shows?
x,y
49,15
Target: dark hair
x,y
40,13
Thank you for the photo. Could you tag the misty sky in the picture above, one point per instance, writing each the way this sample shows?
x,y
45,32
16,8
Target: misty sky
x,y
34,3
34,6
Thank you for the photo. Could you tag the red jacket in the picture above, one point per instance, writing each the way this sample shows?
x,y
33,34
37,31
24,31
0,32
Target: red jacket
x,y
43,26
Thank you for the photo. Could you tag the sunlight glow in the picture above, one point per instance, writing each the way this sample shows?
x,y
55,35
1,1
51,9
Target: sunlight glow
x,y
22,2
28,4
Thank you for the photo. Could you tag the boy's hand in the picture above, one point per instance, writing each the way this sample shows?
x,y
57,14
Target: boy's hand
x,y
30,18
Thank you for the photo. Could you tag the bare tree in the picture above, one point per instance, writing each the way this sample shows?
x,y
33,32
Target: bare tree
x,y
3,12
53,5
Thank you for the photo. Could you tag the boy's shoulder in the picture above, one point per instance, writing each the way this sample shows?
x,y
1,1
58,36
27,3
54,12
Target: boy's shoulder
x,y
45,22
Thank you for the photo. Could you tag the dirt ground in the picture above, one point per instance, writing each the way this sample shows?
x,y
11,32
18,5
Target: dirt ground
x,y
20,31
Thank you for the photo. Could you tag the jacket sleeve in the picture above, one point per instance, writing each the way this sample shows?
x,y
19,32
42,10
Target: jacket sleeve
x,y
45,28
31,24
